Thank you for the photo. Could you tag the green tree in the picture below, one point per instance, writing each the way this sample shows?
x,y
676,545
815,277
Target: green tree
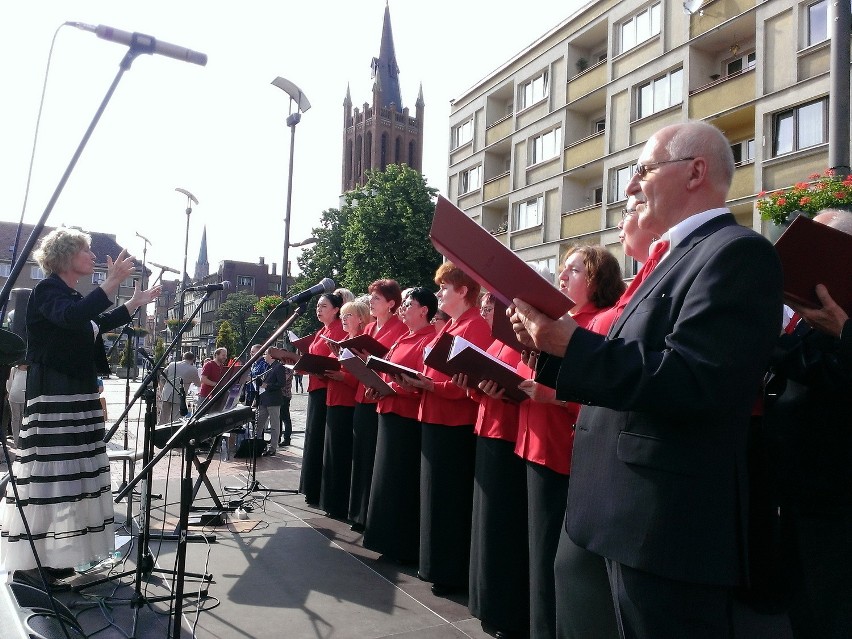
x,y
159,349
239,311
387,230
227,337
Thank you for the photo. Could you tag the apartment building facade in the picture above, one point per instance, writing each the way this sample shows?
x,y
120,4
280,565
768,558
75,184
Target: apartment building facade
x,y
541,149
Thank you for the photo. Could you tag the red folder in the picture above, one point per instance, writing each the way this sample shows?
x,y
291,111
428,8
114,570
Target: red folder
x,y
362,342
501,328
303,343
490,263
367,376
812,253
389,368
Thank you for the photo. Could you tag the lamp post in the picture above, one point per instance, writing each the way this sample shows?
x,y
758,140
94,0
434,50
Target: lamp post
x,y
190,200
293,118
144,283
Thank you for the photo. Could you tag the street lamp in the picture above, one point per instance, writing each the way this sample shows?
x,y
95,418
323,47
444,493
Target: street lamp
x,y
293,118
190,200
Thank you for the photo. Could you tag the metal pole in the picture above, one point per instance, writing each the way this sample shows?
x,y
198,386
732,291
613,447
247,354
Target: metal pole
x,y
838,100
190,199
292,120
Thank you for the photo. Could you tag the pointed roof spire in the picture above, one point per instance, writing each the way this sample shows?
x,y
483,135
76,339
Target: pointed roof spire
x,y
347,101
202,268
420,103
385,69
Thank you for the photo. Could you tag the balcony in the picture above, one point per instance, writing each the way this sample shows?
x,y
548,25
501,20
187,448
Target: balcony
x,y
723,94
743,182
715,12
586,82
585,151
496,186
498,130
581,222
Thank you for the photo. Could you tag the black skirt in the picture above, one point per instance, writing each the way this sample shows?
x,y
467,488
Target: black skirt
x,y
499,561
310,481
337,461
547,495
446,501
393,519
365,425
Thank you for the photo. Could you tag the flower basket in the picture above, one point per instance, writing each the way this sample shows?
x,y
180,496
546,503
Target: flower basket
x,y
826,190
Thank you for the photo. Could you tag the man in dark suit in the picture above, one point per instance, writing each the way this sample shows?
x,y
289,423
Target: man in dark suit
x,y
659,478
808,416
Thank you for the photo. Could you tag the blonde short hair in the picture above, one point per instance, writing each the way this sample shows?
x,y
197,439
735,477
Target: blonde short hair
x,y
359,308
59,247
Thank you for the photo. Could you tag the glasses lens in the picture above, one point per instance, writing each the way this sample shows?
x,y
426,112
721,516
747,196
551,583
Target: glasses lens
x,y
641,170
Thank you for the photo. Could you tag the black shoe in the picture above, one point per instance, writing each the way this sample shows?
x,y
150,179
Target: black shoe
x,y
443,590
284,442
268,453
32,578
357,528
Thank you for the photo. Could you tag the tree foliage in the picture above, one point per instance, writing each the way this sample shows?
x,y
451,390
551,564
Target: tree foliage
x,y
381,231
238,310
227,337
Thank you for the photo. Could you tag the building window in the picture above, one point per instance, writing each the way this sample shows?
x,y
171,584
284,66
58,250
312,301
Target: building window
x,y
800,128
660,93
98,277
463,133
621,177
743,151
471,180
36,273
529,213
817,22
245,281
597,195
639,28
533,91
5,270
546,265
599,126
740,64
544,146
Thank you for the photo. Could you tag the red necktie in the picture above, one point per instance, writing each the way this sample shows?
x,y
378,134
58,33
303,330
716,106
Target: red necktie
x,y
659,250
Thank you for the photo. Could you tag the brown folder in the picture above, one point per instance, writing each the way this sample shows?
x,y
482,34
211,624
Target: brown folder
x,y
812,253
302,344
389,368
356,366
316,364
490,263
501,328
362,342
478,366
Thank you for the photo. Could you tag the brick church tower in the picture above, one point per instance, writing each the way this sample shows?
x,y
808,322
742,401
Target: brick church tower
x,y
383,132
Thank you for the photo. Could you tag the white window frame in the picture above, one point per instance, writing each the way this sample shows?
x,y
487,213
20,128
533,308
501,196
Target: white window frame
x,y
5,269
547,262
463,133
746,151
534,90
663,92
245,281
98,277
640,27
471,180
793,120
36,273
528,213
816,9
545,146
748,61
621,177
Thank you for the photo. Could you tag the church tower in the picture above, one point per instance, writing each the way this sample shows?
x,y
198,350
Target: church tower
x,y
382,132
202,268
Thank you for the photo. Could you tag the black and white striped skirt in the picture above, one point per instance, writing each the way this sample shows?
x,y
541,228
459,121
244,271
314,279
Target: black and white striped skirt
x,y
63,477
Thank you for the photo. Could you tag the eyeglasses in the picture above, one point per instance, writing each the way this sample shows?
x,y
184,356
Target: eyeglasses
x,y
347,316
625,213
643,169
409,304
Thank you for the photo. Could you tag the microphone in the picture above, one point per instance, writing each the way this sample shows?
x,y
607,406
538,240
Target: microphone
x,y
210,288
145,43
325,286
165,268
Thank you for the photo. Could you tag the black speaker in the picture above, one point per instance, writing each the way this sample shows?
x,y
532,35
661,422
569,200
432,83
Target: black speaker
x,y
38,614
245,449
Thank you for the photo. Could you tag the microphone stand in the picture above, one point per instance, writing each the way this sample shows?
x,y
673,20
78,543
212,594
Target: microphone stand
x,y
252,484
189,450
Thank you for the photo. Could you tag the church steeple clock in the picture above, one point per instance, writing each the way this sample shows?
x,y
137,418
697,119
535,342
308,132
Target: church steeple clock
x,y
383,132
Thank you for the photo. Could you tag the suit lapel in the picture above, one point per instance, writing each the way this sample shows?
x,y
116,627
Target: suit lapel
x,y
675,255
